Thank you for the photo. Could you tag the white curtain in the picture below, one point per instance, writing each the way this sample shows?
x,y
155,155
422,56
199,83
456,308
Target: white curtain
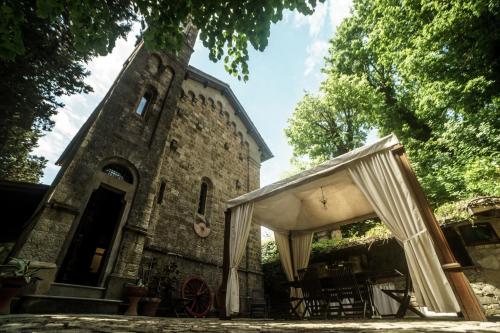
x,y
300,252
382,302
381,181
241,222
283,246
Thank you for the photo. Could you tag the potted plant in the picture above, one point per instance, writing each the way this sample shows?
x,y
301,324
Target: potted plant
x,y
134,292
14,276
161,280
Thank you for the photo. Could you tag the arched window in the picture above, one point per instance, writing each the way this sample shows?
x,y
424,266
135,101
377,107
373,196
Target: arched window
x,y
161,192
120,172
203,198
144,103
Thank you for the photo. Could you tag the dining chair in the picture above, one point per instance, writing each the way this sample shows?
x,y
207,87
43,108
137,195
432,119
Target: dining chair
x,y
315,300
347,298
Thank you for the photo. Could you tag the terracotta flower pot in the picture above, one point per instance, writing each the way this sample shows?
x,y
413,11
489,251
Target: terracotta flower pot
x,y
10,287
134,294
150,306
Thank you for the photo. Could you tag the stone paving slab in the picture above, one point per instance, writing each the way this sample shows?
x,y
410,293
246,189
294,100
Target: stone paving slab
x,y
105,324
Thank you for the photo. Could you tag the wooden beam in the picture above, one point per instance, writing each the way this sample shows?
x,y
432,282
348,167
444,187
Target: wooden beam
x,y
471,309
225,266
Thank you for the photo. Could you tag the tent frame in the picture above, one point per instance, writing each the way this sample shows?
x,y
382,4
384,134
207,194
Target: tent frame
x,y
469,304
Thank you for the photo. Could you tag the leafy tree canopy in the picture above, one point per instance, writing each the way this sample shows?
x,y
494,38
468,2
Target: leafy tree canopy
x,y
333,122
436,66
32,83
45,44
226,28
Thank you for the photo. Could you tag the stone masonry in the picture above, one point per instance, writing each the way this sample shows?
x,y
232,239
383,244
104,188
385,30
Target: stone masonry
x,y
485,276
213,144
194,130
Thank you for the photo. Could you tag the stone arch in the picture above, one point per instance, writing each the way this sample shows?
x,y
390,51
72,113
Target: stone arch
x,y
201,98
122,163
155,64
211,103
220,108
205,199
240,136
192,97
183,96
115,179
232,125
167,74
226,117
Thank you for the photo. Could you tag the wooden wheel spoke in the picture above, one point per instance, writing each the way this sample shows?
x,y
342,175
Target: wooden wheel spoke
x,y
198,296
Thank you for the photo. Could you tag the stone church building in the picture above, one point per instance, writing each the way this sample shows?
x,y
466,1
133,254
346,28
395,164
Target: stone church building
x,y
148,176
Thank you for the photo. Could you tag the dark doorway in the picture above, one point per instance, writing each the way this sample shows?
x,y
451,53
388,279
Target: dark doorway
x,y
91,244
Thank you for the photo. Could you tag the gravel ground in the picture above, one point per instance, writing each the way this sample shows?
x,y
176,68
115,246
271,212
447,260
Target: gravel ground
x,y
99,323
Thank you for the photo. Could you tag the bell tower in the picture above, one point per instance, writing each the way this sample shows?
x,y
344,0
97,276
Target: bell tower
x,y
92,224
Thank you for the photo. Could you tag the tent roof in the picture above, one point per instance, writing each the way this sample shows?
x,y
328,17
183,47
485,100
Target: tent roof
x,y
295,203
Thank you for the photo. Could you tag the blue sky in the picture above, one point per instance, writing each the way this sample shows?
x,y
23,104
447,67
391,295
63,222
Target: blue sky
x,y
279,76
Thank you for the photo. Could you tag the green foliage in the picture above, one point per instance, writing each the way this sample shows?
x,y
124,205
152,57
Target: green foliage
x,y
437,66
45,44
17,267
227,28
269,252
45,67
357,234
334,122
359,228
452,212
354,234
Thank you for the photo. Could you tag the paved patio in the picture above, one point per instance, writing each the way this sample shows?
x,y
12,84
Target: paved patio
x,y
98,323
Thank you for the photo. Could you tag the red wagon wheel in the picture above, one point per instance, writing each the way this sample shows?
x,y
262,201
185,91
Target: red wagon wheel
x,y
197,297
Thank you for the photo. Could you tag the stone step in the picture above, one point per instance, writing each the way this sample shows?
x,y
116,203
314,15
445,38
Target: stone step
x,y
75,290
38,304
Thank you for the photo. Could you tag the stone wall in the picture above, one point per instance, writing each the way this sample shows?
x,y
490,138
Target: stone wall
x,y
211,144
485,276
189,132
114,133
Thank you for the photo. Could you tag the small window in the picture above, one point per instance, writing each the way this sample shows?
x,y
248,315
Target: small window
x,y
161,193
119,172
144,103
203,198
479,233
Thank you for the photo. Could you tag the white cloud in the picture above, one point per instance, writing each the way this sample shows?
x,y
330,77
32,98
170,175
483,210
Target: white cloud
x,y
315,54
316,21
105,69
78,107
338,10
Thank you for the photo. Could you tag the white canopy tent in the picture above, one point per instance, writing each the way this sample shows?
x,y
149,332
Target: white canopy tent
x,y
366,182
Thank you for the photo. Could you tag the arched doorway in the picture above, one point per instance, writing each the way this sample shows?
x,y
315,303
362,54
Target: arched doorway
x,y
92,243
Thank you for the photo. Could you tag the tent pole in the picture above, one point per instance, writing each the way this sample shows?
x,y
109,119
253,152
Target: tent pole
x,y
471,309
225,266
